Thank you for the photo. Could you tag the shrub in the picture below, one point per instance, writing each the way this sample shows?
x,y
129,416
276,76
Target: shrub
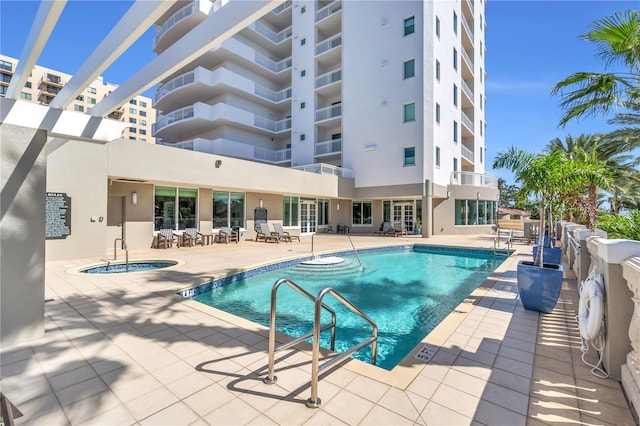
x,y
621,225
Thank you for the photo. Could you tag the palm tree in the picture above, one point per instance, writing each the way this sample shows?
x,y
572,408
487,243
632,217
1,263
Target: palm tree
x,y
540,176
617,39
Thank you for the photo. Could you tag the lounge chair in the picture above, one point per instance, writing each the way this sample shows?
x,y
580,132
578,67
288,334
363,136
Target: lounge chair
x,y
166,237
399,232
282,234
386,227
227,235
192,237
264,233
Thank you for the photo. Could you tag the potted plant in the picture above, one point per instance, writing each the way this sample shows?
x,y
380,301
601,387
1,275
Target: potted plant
x,y
329,228
539,282
417,227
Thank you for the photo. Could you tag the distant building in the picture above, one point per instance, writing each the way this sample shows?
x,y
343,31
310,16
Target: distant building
x,y
45,83
509,213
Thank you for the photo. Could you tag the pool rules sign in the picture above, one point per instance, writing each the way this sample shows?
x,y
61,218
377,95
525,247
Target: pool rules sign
x,y
58,216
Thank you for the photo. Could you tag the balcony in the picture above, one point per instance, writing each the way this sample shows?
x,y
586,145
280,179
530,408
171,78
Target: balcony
x,y
468,122
321,168
177,17
275,37
474,179
275,126
467,154
52,81
328,113
328,10
328,78
467,58
325,148
232,148
329,18
284,6
270,64
466,89
328,44
467,27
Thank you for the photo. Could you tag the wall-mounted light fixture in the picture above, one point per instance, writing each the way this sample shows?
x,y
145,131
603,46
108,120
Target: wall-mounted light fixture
x,y
448,194
218,164
134,198
368,148
261,203
477,195
338,206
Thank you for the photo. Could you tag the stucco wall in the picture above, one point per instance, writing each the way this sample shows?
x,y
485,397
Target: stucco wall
x,y
22,233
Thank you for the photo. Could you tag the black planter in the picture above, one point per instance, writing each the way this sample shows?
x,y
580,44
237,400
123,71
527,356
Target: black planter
x,y
539,287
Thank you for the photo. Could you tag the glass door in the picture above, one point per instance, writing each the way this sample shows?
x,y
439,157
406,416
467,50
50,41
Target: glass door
x,y
308,218
403,216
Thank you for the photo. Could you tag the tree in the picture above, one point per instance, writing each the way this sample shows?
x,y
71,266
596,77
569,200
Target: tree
x,y
617,39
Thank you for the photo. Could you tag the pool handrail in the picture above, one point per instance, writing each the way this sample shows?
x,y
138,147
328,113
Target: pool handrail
x,y
314,401
126,252
356,252
271,378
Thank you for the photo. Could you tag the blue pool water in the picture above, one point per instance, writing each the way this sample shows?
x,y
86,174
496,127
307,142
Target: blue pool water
x,y
406,292
118,268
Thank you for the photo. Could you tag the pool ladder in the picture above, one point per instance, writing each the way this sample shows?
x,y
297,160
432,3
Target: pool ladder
x,y
314,401
115,255
350,240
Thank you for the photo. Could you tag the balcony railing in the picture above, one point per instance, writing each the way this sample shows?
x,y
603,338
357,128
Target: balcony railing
x,y
272,65
333,146
272,156
321,168
466,89
470,3
272,95
329,112
467,121
467,58
329,44
284,6
173,84
329,9
186,11
467,27
267,32
272,125
328,78
467,153
164,120
474,179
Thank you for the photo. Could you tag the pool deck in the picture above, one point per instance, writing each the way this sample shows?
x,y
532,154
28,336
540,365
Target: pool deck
x,y
123,349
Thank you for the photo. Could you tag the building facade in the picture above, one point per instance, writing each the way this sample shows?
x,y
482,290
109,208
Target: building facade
x,y
45,83
389,94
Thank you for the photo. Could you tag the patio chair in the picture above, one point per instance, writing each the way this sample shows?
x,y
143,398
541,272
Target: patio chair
x,y
192,237
398,232
264,233
282,234
227,235
166,237
386,227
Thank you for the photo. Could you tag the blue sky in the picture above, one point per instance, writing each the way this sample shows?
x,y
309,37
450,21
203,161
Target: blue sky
x,y
531,45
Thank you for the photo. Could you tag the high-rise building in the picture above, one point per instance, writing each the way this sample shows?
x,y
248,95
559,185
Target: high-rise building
x,y
45,83
390,93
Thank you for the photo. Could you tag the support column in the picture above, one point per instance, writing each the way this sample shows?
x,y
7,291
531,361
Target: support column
x,y
427,209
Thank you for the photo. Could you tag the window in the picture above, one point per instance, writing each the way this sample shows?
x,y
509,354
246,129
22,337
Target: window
x,y
481,154
323,212
437,70
409,68
481,49
361,212
303,73
455,59
133,130
302,105
132,120
80,98
91,100
455,95
290,211
303,42
437,156
133,111
409,112
78,108
165,208
143,113
27,85
475,212
142,131
481,127
25,96
409,25
228,209
455,164
437,113
92,90
143,140
437,26
455,23
5,65
409,155
3,90
480,101
455,131
143,104
302,137
132,138
133,102
142,122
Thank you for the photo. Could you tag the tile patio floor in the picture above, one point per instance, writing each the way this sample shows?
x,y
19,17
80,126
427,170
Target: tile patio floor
x,y
123,349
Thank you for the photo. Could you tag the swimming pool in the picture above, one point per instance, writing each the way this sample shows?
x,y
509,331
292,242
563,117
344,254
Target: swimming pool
x,y
406,290
121,267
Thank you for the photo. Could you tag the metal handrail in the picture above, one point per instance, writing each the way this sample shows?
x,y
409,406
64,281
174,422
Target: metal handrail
x,y
126,251
575,245
271,378
314,401
312,236
355,251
